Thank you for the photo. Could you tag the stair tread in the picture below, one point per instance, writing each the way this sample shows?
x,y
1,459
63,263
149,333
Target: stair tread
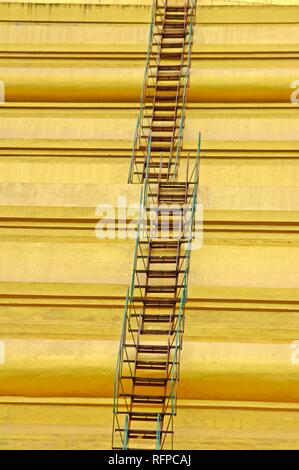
x,y
161,272
146,379
143,395
157,332
144,431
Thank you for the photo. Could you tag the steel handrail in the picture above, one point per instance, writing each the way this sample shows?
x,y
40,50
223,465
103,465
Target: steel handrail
x,y
126,433
177,340
139,119
187,79
158,432
139,224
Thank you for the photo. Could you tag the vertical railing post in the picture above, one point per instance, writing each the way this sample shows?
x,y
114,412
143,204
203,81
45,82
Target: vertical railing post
x,y
126,433
142,96
158,433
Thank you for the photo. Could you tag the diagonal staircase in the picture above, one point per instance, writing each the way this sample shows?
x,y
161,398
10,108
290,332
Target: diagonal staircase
x,y
147,373
160,125
149,357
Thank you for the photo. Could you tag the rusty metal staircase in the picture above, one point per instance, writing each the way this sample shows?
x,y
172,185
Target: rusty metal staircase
x,y
161,120
147,373
148,364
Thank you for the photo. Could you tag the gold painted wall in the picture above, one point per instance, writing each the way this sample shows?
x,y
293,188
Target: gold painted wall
x,y
72,72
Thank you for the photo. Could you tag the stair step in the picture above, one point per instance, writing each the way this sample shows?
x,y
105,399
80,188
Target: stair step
x,y
173,24
157,289
150,382
166,107
175,198
145,416
160,274
151,365
171,201
168,87
169,8
146,399
159,302
172,197
164,244
164,128
174,20
152,348
162,259
161,138
172,34
169,67
158,117
155,164
156,148
153,177
147,381
149,348
159,318
176,16
144,413
172,55
167,210
177,192
167,77
175,184
174,191
173,45
153,332
172,87
160,98
168,73
143,433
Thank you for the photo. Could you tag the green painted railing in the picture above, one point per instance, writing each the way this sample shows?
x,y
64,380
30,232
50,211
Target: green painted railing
x,y
145,78
158,433
177,341
194,203
126,433
186,84
140,223
119,365
120,355
178,334
143,92
148,155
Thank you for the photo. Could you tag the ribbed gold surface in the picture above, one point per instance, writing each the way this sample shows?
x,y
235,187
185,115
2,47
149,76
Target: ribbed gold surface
x,y
72,77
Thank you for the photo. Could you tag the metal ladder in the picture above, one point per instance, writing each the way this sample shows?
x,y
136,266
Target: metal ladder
x,y
147,373
161,120
148,363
